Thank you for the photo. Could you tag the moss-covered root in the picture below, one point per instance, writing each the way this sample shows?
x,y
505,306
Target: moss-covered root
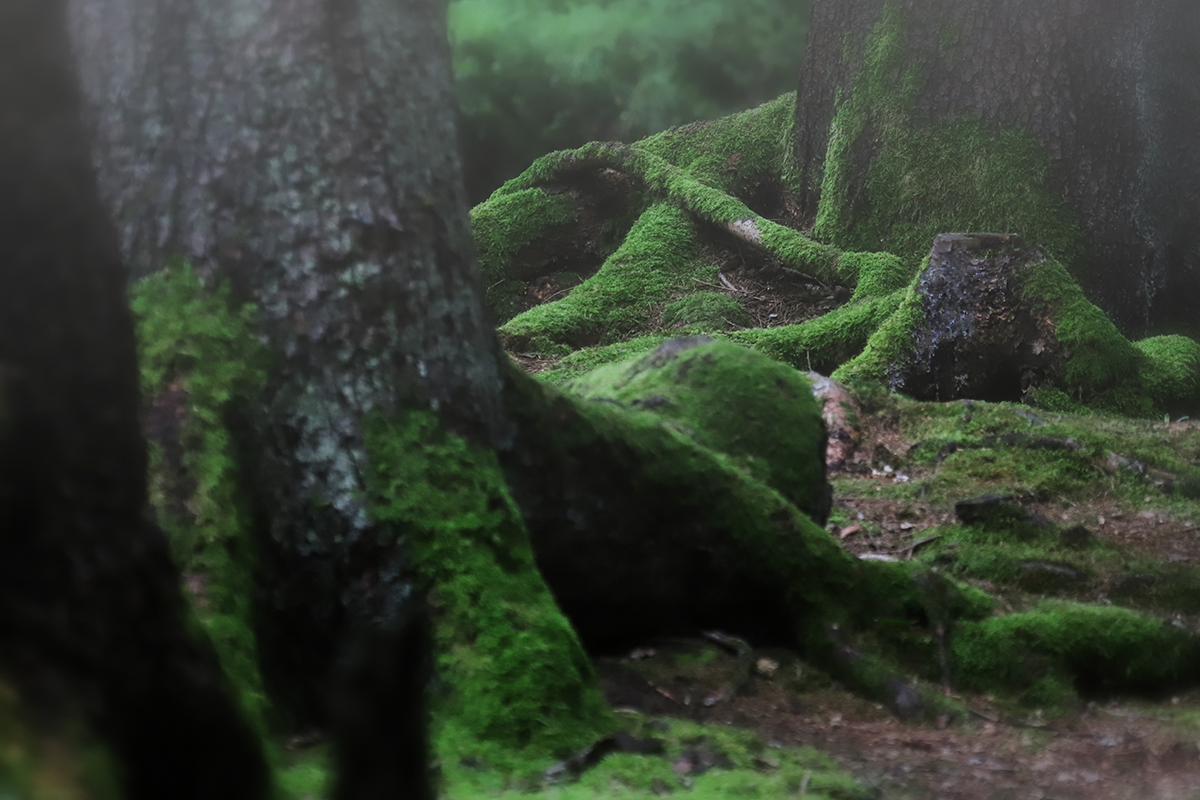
x,y
657,257
874,678
642,532
1048,654
506,230
1171,372
757,411
824,343
706,202
521,686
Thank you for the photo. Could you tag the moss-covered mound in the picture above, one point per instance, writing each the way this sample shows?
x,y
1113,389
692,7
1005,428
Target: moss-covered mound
x,y
695,231
732,400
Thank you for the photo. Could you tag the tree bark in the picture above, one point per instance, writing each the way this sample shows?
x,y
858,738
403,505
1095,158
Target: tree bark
x,y
91,617
305,149
1110,91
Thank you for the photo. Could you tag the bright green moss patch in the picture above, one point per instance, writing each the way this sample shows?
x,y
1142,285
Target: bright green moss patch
x,y
732,400
198,354
307,775
1171,372
748,768
657,256
520,684
1059,647
505,226
735,151
824,343
1100,356
888,344
875,275
705,312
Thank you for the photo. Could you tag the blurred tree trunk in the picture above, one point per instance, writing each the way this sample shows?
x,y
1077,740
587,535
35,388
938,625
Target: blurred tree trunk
x,y
305,150
91,617
1108,90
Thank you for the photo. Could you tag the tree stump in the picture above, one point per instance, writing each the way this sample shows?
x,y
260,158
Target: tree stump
x,y
980,337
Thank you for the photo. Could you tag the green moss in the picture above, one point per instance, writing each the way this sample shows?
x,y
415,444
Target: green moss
x,y
308,774
874,275
40,764
656,257
1100,356
889,344
197,355
1046,653
752,769
928,176
522,686
824,343
762,537
732,400
589,358
734,152
502,228
1171,372
705,312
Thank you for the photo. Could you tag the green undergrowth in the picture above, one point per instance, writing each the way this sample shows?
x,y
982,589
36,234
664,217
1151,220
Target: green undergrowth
x,y
521,687
748,768
199,354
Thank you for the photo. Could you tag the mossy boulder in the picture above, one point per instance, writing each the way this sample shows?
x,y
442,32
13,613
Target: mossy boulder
x,y
1171,372
732,400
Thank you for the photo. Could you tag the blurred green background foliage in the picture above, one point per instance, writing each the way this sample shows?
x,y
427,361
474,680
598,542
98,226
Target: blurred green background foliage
x,y
535,76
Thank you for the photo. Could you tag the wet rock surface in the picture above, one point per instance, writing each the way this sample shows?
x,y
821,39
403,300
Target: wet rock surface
x,y
979,338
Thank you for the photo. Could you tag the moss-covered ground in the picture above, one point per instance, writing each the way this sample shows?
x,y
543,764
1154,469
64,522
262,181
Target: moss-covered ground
x,y
1080,592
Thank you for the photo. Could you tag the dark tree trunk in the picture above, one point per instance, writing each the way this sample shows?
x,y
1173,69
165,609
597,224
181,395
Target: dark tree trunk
x,y
91,617
306,150
1109,91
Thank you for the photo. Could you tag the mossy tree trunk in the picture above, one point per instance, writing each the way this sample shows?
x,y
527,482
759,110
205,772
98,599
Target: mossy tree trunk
x,y
306,152
1071,124
92,622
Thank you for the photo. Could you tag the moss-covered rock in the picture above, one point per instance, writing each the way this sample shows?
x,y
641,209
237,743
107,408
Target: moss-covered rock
x,y
732,400
1059,648
1171,372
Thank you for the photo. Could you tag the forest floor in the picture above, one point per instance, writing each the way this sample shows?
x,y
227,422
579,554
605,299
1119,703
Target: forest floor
x,y
1110,750
895,499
